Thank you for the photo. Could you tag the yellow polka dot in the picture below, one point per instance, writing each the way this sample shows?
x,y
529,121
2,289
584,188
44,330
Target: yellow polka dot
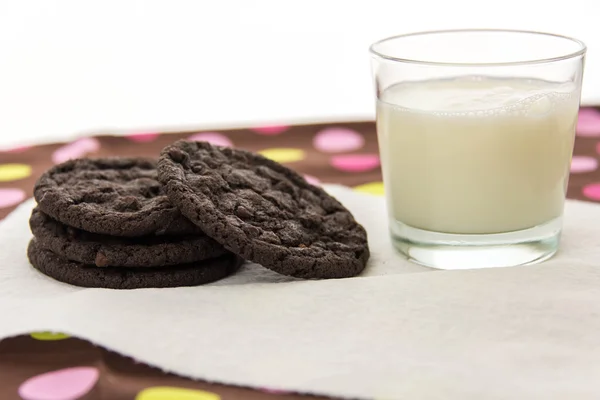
x,y
283,155
13,172
49,335
375,188
173,393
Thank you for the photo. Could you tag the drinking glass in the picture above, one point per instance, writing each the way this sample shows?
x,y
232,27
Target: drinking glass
x,y
476,132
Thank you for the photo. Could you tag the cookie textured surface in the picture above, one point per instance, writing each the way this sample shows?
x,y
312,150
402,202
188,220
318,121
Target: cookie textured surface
x,y
78,274
110,196
105,251
263,211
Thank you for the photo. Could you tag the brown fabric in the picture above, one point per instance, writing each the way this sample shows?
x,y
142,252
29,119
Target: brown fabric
x,y
121,378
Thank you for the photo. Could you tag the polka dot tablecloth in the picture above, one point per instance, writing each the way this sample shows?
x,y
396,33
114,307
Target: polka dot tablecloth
x,y
54,366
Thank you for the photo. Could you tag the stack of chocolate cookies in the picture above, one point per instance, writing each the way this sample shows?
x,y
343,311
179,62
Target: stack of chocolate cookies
x,y
190,218
108,223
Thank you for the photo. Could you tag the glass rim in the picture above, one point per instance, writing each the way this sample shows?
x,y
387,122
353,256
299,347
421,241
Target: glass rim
x,y
581,51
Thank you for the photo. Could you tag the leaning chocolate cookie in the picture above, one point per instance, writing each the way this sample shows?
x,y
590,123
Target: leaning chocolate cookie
x,y
263,211
110,196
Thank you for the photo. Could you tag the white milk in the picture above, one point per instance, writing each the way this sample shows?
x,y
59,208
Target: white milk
x,y
476,155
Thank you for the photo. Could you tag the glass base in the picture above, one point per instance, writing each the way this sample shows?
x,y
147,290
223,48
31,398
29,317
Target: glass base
x,y
454,251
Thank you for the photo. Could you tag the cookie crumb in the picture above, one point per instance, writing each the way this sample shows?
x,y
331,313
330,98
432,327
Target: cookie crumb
x,y
243,212
177,155
101,260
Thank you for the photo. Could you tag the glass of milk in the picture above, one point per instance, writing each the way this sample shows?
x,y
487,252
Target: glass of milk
x,y
476,131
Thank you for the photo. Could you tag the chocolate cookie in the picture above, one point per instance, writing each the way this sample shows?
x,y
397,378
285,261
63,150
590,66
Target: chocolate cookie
x,y
110,196
104,251
78,274
263,211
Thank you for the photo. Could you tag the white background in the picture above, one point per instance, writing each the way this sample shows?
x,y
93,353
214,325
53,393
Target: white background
x,y
72,67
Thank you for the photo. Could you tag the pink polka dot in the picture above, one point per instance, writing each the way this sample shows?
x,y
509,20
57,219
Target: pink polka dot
x,y
337,140
312,180
355,162
581,164
218,139
63,384
11,197
588,123
142,137
76,149
270,129
592,191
